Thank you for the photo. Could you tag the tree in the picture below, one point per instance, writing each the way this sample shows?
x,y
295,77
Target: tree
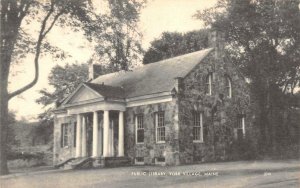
x,y
64,80
263,39
13,14
119,44
11,136
172,44
15,42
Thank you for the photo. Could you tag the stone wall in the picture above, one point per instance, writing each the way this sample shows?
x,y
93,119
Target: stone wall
x,y
219,119
150,149
63,153
219,112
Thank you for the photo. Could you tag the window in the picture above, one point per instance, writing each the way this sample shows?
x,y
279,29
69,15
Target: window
x,y
160,161
160,127
75,132
240,129
208,83
139,124
64,134
198,127
228,87
139,161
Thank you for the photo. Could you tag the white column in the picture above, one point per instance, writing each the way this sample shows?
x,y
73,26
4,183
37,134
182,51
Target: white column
x,y
121,134
243,126
95,135
109,139
105,133
78,136
83,154
112,149
100,139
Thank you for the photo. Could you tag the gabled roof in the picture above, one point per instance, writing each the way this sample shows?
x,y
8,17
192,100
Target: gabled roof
x,y
99,90
107,91
152,78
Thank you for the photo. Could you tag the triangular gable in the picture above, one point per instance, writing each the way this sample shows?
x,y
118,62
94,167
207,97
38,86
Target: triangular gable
x,y
82,93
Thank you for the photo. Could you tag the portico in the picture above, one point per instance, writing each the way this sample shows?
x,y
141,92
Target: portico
x,y
103,127
100,117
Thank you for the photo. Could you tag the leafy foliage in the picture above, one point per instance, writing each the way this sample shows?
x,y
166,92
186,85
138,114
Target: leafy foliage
x,y
119,44
64,80
11,136
263,39
172,44
15,42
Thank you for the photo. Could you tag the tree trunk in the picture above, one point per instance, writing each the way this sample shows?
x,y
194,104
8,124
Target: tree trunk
x,y
3,117
3,132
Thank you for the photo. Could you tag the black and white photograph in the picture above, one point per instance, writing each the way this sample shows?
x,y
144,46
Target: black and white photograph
x,y
150,93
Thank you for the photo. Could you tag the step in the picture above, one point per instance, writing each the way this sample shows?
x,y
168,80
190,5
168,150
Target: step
x,y
61,164
81,163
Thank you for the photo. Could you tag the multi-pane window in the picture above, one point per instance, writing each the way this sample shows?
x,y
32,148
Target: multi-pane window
x,y
208,84
139,124
160,127
240,129
139,161
64,134
198,127
228,86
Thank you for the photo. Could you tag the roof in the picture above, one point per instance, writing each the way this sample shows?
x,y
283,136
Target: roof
x,y
107,91
151,78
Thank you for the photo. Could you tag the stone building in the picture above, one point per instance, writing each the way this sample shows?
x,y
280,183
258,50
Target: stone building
x,y
182,110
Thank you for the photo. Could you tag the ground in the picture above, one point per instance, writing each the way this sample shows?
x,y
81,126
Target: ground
x,y
226,174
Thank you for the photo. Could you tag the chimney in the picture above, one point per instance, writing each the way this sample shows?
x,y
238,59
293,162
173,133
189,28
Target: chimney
x,y
216,40
94,70
178,84
91,70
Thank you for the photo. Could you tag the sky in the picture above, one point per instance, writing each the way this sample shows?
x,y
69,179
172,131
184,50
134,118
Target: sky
x,y
157,17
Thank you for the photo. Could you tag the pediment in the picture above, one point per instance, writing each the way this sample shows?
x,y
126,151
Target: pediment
x,y
82,94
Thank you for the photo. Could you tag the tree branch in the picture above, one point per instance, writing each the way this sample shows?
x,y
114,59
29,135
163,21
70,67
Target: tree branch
x,y
37,54
53,22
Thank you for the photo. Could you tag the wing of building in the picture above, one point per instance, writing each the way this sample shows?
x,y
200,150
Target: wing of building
x,y
181,110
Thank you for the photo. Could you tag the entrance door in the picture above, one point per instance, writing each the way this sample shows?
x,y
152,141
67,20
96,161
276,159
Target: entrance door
x,y
89,135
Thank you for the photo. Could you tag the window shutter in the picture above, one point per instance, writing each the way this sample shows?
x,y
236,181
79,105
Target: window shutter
x,y
205,132
61,135
75,130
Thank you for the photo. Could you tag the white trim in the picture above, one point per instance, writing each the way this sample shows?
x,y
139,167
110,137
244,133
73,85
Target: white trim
x,y
65,133
130,102
138,162
136,129
243,126
229,95
103,105
84,102
160,163
146,101
76,90
201,123
209,83
197,141
156,128
201,129
156,123
148,96
62,115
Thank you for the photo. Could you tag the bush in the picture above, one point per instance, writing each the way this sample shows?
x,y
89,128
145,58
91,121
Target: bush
x,y
25,155
242,150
